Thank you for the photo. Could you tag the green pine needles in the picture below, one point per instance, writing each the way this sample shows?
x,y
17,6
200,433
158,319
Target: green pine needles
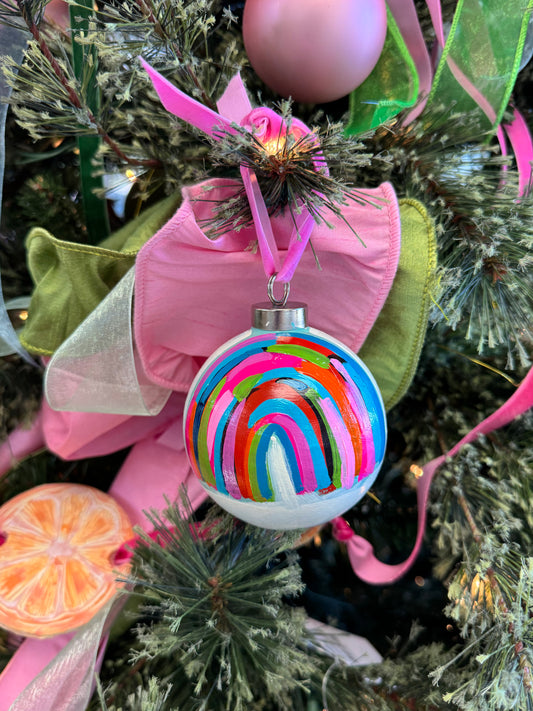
x,y
151,698
291,171
484,229
483,519
215,595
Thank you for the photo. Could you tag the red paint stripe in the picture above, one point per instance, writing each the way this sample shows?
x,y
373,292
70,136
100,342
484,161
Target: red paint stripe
x,y
335,385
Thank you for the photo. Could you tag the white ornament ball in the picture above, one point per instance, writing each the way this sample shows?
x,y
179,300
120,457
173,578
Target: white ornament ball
x,y
285,429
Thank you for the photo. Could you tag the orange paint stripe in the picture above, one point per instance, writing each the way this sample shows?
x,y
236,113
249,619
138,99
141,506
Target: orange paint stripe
x,y
335,385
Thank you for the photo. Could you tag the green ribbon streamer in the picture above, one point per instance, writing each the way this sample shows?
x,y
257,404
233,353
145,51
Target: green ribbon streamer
x,y
71,278
85,68
485,43
391,87
393,346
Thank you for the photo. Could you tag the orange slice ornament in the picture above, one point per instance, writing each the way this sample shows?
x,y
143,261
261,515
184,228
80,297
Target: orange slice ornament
x,y
57,567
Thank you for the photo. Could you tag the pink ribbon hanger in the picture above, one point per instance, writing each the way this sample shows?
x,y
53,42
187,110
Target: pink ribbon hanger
x,y
268,127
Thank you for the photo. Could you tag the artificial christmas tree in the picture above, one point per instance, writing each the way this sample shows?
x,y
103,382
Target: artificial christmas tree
x,y
135,236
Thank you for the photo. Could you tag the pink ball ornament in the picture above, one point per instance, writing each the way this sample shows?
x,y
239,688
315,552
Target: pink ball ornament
x,y
314,50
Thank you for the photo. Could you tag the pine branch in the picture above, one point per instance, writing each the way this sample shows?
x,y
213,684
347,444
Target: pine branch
x,y
291,171
68,84
485,234
215,595
492,590
497,595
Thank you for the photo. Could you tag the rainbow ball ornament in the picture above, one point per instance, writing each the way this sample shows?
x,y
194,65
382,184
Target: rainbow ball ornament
x,y
314,50
285,426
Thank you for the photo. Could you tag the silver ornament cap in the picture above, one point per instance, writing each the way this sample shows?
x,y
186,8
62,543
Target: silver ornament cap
x,y
267,317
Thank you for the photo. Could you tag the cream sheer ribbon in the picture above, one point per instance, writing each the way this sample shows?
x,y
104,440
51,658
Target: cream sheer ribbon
x,y
67,682
97,369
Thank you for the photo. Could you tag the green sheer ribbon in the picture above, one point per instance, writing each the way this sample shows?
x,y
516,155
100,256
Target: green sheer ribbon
x,y
481,57
478,67
391,87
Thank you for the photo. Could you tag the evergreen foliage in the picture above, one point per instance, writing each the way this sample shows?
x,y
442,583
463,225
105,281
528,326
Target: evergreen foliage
x,y
216,618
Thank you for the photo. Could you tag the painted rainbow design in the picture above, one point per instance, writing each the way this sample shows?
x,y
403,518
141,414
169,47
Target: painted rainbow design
x,y
310,393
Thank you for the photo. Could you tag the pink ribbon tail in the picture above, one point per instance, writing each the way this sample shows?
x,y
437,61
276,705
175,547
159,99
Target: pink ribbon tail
x,y
520,139
21,443
361,553
180,104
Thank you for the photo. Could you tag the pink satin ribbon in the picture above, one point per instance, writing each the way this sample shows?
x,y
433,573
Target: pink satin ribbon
x,y
520,139
360,551
156,466
21,443
267,126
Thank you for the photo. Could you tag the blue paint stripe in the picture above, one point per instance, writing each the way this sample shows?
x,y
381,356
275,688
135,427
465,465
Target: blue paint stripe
x,y
284,407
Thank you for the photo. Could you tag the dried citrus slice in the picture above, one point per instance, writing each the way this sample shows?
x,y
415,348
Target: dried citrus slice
x,y
57,569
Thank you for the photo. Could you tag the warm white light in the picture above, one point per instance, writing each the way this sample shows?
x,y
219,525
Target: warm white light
x,y
416,470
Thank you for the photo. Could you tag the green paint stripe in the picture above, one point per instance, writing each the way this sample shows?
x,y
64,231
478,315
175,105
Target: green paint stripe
x,y
302,352
314,397
252,466
203,453
245,387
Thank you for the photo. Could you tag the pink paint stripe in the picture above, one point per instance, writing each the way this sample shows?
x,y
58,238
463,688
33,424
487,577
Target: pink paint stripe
x,y
302,451
259,364
368,461
343,439
223,402
228,453
227,354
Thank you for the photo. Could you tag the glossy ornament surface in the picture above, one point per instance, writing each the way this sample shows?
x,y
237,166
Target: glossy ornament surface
x,y
57,557
314,50
285,429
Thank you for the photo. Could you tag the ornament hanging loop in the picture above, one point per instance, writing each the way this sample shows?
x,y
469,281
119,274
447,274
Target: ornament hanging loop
x,y
278,303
